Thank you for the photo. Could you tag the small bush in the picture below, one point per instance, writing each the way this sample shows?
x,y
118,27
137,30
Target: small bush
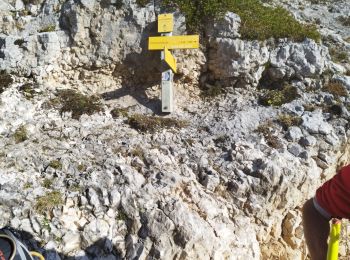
x,y
347,73
56,164
287,120
211,91
46,203
20,134
142,3
49,28
337,89
5,80
278,97
151,124
78,104
119,112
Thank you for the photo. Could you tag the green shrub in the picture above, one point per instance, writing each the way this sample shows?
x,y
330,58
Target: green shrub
x,y
46,203
20,134
5,80
142,3
78,104
277,97
259,22
151,124
27,90
337,89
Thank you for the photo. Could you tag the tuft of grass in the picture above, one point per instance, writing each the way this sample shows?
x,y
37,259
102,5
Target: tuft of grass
x,y
286,120
49,28
82,167
337,89
211,91
347,73
27,90
27,185
78,104
5,80
142,3
47,183
259,22
151,124
47,202
278,97
56,164
338,55
266,131
20,134
344,20
119,112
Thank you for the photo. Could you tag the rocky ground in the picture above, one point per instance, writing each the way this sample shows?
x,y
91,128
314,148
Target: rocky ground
x,y
224,177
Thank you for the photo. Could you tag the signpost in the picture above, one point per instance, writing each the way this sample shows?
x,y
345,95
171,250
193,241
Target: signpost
x,y
165,43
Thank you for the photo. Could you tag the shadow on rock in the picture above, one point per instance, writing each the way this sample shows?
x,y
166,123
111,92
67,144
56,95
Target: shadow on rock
x,y
101,249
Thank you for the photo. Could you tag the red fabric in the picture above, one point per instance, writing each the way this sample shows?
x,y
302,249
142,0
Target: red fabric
x,y
334,195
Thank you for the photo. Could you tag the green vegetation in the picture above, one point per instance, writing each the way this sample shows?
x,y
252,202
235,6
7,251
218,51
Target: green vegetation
x,y
337,89
259,22
5,80
82,167
278,97
19,42
33,2
119,112
48,202
47,183
77,103
287,120
20,134
49,28
56,164
151,124
347,73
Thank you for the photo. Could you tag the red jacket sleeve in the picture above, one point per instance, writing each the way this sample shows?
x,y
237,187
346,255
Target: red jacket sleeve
x,y
334,195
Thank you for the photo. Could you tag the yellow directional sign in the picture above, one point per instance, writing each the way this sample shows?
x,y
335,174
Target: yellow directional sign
x,y
170,59
165,23
173,42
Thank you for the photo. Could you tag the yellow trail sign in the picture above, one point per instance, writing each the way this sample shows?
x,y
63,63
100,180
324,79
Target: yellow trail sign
x,y
165,23
173,42
170,59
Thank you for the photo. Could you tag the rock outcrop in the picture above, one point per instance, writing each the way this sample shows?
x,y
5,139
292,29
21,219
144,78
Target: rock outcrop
x,y
227,182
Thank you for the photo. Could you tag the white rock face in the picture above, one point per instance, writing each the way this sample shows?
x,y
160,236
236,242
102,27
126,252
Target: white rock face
x,y
235,58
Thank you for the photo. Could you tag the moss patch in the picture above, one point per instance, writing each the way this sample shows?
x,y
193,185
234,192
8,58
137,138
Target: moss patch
x,y
20,134
5,80
78,104
337,89
151,124
46,203
278,97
